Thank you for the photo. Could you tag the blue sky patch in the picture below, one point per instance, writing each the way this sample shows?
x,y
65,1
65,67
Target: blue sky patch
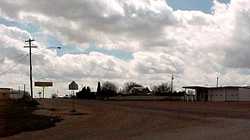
x,y
199,5
53,42
121,54
29,27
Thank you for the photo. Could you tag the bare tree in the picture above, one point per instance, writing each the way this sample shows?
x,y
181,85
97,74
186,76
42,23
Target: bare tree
x,y
130,85
108,89
162,89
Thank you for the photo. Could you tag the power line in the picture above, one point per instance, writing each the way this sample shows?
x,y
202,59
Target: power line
x,y
14,66
55,48
16,57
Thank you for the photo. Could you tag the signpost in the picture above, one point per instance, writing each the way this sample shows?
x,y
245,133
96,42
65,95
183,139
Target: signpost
x,y
43,85
73,86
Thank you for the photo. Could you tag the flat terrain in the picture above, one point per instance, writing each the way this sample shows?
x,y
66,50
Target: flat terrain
x,y
18,116
122,120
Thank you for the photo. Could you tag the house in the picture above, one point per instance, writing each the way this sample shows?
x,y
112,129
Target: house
x,y
139,91
227,93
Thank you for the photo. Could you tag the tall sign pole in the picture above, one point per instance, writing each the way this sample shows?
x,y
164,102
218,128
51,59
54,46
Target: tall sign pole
x,y
30,47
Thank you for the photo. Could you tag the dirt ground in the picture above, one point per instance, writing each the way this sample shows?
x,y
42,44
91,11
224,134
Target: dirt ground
x,y
142,120
17,116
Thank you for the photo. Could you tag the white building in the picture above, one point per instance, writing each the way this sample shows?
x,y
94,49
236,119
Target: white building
x,y
228,93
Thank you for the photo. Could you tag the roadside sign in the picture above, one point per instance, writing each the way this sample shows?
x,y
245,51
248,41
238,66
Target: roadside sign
x,y
43,84
73,86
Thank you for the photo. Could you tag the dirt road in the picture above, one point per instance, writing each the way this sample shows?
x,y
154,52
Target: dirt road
x,y
100,120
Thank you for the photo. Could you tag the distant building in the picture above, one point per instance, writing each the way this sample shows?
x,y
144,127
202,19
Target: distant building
x,y
18,94
227,93
139,91
8,93
5,93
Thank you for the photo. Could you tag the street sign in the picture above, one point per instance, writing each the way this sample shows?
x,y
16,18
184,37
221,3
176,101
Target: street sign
x,y
43,84
73,86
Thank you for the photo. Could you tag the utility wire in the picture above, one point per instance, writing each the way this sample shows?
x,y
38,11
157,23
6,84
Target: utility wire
x,y
55,48
14,66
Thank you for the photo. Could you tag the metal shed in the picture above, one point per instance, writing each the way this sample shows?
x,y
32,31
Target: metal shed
x,y
227,93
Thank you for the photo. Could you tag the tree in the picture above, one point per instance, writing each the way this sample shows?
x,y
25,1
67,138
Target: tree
x,y
108,89
129,85
84,89
98,90
85,93
162,89
88,90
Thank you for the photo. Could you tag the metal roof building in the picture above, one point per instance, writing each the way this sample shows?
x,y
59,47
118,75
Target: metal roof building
x,y
226,93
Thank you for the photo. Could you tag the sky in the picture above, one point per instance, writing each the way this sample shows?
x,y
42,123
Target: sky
x,y
198,5
145,41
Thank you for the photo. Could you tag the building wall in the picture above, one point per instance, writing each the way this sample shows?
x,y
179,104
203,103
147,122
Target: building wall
x,y
4,94
223,94
16,95
244,94
202,95
216,94
232,94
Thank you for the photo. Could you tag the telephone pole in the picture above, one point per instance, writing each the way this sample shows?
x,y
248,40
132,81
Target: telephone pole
x,y
23,89
172,83
30,47
217,82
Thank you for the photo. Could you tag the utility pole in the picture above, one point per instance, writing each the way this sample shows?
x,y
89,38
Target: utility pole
x,y
43,91
217,82
23,89
30,47
172,83
19,90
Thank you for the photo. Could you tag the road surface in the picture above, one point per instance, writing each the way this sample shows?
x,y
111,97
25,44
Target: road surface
x,y
143,120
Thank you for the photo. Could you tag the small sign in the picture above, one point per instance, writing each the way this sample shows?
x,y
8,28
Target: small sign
x,y
73,86
43,84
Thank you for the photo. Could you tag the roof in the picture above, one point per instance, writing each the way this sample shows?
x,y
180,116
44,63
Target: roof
x,y
5,88
195,87
203,87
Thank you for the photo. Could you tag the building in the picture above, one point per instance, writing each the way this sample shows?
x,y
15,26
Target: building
x,y
227,93
18,94
5,93
139,91
8,93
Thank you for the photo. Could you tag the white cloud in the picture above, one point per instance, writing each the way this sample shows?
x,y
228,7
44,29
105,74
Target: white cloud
x,y
195,46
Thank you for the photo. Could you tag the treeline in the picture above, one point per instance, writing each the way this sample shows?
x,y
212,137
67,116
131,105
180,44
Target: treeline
x,y
109,89
164,89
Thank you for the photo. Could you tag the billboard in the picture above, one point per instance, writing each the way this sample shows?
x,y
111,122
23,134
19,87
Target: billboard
x,y
43,84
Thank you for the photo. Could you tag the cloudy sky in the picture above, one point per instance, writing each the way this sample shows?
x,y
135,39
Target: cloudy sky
x,y
126,40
